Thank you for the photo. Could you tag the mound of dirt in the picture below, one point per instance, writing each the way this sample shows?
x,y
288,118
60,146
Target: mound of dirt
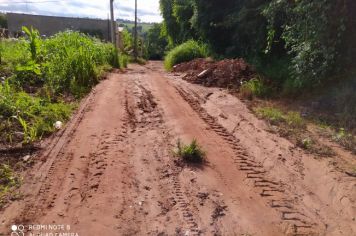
x,y
226,73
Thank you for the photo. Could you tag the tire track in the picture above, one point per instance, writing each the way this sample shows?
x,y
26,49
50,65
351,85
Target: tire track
x,y
273,191
144,111
53,151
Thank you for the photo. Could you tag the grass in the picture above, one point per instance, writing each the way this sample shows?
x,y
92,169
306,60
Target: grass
x,y
345,139
292,126
8,180
184,52
253,87
191,153
273,115
32,115
276,116
40,82
39,74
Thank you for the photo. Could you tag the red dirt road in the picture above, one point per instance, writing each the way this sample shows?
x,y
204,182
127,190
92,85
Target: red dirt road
x,y
112,170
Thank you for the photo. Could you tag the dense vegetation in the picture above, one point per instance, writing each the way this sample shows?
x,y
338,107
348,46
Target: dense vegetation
x,y
39,75
296,43
156,43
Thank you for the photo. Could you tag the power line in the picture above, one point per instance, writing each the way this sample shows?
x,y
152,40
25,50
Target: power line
x,y
25,2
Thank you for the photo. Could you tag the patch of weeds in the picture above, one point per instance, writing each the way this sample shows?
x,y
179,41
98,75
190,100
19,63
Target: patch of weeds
x,y
305,143
273,115
8,180
295,120
254,88
345,139
276,116
191,153
314,147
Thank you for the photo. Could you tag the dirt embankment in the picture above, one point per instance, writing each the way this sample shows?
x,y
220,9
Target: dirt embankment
x,y
225,74
112,171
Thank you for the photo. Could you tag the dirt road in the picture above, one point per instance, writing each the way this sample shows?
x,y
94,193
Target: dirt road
x,y
112,170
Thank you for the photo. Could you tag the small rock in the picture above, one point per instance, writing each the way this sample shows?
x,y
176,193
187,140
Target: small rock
x,y
58,125
26,158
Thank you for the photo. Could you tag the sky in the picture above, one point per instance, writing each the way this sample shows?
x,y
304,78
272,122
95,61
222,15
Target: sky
x,y
148,10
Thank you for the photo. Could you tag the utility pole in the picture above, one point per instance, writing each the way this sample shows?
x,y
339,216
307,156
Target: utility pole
x,y
135,30
113,25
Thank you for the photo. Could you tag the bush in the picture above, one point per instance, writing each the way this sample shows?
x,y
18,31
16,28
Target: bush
x,y
191,153
184,52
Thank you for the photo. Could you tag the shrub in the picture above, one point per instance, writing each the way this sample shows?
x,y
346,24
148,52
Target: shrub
x,y
191,153
184,52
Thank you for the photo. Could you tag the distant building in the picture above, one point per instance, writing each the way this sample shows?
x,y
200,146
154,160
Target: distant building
x,y
50,25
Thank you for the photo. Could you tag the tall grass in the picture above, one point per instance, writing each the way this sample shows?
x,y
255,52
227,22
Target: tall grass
x,y
32,116
41,73
184,52
73,62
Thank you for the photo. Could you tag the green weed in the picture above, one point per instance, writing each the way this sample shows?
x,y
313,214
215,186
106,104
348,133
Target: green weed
x,y
8,179
345,139
294,120
34,41
276,116
184,52
191,153
253,87
273,115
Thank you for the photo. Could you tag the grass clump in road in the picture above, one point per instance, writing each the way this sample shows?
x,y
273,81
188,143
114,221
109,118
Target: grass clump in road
x,y
184,52
190,153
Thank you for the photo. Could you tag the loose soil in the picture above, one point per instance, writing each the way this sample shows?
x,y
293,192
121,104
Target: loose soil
x,y
228,73
112,171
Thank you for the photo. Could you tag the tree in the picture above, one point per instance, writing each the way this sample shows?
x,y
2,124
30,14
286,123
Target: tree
x,y
3,21
177,25
156,42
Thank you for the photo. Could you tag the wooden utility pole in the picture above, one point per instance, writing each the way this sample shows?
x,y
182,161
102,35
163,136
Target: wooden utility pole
x,y
113,25
135,50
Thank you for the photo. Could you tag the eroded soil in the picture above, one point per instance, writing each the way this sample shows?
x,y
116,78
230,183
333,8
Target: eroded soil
x,y
112,170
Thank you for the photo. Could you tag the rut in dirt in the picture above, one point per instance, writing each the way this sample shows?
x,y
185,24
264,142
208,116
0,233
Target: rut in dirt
x,y
112,171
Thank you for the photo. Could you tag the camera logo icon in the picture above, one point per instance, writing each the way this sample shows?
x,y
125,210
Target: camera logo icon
x,y
18,230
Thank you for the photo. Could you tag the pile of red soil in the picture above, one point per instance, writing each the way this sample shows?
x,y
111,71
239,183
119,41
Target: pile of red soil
x,y
226,73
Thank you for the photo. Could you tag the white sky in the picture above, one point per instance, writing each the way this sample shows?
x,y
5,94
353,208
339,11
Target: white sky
x,y
148,10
